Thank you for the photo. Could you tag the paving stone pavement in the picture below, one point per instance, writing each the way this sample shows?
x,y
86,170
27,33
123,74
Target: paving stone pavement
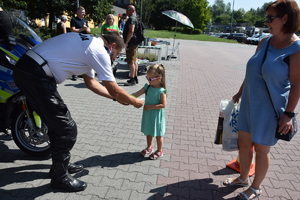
x,y
109,139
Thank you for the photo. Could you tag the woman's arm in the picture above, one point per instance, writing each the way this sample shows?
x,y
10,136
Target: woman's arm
x,y
285,123
238,95
295,82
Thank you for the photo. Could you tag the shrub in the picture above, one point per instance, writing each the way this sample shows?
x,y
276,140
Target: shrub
x,y
148,56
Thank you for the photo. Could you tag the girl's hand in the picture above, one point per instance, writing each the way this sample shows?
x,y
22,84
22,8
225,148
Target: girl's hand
x,y
147,107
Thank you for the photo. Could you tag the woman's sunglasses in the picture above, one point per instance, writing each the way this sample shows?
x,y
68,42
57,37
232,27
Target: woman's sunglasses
x,y
152,79
270,18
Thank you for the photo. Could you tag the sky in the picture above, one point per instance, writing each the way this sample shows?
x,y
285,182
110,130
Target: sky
x,y
246,4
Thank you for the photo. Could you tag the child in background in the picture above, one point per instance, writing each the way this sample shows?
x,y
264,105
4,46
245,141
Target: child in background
x,y
153,120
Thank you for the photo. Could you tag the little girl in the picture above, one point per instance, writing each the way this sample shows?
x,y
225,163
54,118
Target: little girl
x,y
153,120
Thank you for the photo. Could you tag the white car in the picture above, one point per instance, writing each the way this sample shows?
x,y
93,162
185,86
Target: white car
x,y
262,36
253,39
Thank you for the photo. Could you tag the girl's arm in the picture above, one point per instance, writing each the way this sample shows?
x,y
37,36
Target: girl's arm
x,y
163,103
139,93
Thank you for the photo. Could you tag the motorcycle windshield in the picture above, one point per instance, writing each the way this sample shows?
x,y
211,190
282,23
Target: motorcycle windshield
x,y
20,28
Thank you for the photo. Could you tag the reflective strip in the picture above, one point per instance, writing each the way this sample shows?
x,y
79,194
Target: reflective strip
x,y
4,96
37,119
10,54
40,61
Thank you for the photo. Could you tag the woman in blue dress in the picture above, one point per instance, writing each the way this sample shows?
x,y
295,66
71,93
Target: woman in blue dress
x,y
272,77
153,120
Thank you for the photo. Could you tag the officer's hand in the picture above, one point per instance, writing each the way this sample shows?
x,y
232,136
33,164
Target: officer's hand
x,y
138,103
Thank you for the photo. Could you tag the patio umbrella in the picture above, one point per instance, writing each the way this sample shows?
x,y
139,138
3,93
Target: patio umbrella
x,y
178,17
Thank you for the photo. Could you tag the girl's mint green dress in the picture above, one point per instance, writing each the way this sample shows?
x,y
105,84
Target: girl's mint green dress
x,y
153,121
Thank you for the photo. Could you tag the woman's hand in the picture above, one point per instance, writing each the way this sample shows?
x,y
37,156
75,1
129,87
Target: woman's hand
x,y
285,125
236,98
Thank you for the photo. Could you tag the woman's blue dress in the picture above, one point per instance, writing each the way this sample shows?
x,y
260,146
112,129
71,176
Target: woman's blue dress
x,y
257,115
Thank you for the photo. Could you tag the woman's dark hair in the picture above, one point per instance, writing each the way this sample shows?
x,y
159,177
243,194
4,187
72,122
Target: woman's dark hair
x,y
290,8
114,37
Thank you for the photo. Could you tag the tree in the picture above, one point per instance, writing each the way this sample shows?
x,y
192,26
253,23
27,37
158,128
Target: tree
x,y
157,19
36,9
198,12
238,15
218,9
148,7
221,13
97,10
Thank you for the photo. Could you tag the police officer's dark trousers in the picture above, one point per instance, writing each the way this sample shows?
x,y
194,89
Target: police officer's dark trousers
x,y
41,93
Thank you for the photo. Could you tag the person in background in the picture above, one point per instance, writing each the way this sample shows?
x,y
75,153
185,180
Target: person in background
x,y
272,81
61,26
37,74
122,22
79,25
109,25
131,49
153,120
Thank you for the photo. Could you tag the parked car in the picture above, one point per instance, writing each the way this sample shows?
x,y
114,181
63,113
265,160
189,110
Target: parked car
x,y
224,35
221,35
240,37
253,39
262,36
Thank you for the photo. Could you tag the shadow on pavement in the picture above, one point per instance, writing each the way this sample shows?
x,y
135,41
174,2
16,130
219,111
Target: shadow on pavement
x,y
77,85
193,189
224,171
28,173
113,160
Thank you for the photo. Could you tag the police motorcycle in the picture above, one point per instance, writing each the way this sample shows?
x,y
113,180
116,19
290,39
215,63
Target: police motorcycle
x,y
16,115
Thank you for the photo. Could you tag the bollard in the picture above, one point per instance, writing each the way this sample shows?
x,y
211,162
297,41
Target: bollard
x,y
235,165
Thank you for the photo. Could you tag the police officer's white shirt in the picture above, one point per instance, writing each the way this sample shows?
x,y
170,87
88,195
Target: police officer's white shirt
x,y
74,53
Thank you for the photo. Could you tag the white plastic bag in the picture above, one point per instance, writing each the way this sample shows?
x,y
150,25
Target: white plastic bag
x,y
230,132
219,132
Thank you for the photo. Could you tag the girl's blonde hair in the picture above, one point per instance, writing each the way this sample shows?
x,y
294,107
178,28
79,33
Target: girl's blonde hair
x,y
110,16
158,70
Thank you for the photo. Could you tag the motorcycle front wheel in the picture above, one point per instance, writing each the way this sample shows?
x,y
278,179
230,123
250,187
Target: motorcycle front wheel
x,y
29,138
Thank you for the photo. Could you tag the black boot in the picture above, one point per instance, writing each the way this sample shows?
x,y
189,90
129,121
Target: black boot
x,y
130,82
136,80
60,177
72,169
74,78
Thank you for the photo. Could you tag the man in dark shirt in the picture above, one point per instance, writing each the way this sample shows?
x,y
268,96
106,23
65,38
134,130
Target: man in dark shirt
x,y
131,49
78,23
61,26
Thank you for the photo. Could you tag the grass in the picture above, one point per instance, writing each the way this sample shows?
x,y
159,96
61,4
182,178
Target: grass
x,y
169,34
200,37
